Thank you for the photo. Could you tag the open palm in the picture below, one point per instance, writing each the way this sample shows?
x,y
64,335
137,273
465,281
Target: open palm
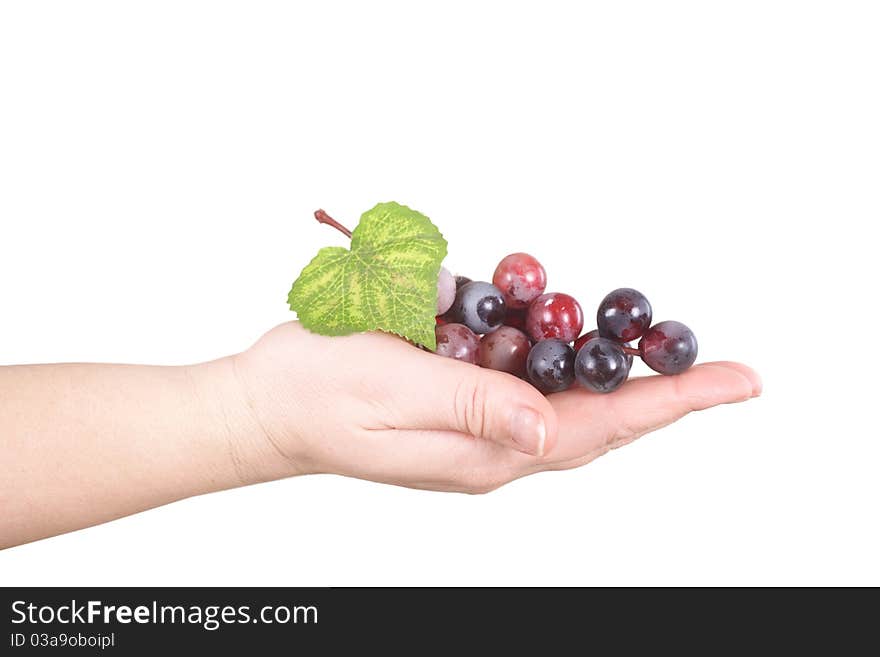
x,y
375,407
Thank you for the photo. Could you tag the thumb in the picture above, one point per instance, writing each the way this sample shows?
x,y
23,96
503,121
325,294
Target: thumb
x,y
488,404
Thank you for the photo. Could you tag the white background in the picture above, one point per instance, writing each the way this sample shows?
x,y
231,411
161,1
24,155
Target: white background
x,y
159,163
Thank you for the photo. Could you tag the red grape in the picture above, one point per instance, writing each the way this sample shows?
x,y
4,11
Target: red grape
x,y
521,279
459,342
554,315
505,350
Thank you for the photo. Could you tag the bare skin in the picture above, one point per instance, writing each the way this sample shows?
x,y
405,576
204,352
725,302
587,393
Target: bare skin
x,y
82,444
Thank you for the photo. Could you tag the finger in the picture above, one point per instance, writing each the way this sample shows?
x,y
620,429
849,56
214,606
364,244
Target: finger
x,y
590,424
455,396
746,371
431,460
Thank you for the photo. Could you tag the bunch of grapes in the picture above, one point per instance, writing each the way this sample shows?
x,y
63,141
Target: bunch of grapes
x,y
513,326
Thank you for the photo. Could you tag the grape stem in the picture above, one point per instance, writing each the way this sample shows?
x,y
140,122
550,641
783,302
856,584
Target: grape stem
x,y
632,351
324,218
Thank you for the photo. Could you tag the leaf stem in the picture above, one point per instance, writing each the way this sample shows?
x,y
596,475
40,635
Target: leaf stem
x,y
324,218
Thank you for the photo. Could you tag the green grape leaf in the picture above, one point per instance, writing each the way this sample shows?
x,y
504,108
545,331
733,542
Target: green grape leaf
x,y
386,281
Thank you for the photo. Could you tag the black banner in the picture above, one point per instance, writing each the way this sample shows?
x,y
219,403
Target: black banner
x,y
148,620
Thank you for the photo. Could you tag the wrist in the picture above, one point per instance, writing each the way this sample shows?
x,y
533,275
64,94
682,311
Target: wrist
x,y
240,441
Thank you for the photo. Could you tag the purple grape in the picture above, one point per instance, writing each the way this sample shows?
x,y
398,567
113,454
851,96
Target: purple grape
x,y
550,365
668,347
461,281
589,335
581,341
516,318
623,315
479,306
505,350
457,341
601,365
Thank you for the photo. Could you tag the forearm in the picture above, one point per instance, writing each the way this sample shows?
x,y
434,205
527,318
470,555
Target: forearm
x,y
81,444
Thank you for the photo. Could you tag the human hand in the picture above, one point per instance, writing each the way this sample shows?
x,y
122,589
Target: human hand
x,y
374,407
370,406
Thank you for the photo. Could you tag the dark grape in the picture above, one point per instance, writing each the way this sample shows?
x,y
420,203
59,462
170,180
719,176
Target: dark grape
x,y
505,350
623,315
521,279
479,306
461,281
516,317
601,365
589,335
550,366
459,342
554,315
668,347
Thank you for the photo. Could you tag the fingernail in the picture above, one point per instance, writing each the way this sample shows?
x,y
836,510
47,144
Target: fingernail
x,y
757,386
755,379
528,431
